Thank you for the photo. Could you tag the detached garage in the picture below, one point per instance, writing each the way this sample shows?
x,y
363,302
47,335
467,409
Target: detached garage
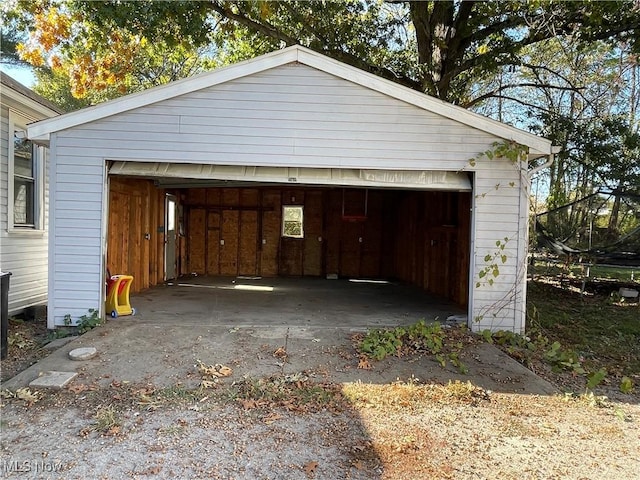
x,y
291,164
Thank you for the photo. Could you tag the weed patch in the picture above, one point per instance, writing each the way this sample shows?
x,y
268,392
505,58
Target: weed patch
x,y
418,338
588,339
108,421
291,392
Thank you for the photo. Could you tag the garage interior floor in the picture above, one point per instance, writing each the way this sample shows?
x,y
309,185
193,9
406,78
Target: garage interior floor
x,y
300,302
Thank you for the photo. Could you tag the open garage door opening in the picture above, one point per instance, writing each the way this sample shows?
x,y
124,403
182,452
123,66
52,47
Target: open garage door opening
x,y
413,237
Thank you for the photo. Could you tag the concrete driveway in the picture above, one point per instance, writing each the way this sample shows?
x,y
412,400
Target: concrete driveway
x,y
240,323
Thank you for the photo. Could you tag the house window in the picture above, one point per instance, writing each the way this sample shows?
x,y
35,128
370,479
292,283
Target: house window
x,y
25,191
292,221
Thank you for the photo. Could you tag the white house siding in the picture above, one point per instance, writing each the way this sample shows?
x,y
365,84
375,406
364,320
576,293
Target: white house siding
x,y
500,213
76,225
4,171
292,115
24,254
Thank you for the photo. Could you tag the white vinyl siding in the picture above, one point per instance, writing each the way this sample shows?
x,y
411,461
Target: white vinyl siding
x,y
292,115
23,251
498,215
76,224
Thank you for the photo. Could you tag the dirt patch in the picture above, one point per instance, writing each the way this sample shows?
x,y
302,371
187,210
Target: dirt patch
x,y
26,340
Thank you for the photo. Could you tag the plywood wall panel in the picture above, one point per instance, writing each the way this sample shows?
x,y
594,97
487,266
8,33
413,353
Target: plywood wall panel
x,y
197,196
213,242
373,233
270,240
229,242
332,228
212,196
133,206
351,239
157,233
248,242
432,242
313,244
461,282
196,240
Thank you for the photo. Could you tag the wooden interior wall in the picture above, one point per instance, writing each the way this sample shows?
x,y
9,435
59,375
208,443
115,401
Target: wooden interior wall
x,y
136,209
223,231
421,238
355,234
433,231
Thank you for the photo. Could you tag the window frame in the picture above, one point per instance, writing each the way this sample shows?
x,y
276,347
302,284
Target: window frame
x,y
19,121
283,234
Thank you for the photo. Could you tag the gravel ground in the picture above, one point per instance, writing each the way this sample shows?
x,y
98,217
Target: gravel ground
x,y
393,431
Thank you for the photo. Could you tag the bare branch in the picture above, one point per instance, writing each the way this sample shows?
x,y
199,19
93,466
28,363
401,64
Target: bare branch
x,y
505,97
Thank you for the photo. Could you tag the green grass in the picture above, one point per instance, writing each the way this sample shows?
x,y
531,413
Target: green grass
x,y
605,332
624,274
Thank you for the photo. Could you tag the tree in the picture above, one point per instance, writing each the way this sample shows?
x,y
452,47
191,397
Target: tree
x,y
77,64
440,48
10,38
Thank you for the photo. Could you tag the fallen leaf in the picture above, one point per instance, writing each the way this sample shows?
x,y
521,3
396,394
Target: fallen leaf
x,y
146,391
363,363
79,388
27,395
215,371
273,417
7,394
310,468
223,371
280,353
358,464
248,404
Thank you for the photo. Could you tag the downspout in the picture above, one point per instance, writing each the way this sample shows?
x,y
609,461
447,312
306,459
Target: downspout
x,y
548,163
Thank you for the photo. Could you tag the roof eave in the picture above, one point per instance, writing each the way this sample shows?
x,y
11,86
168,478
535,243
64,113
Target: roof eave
x,y
29,102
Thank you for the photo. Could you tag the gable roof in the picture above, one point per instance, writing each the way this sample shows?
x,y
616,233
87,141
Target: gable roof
x,y
538,146
12,84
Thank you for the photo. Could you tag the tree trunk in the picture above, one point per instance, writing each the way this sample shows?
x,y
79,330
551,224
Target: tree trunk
x,y
438,42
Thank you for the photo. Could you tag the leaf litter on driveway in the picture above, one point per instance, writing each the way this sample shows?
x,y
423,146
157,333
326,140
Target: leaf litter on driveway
x,y
292,427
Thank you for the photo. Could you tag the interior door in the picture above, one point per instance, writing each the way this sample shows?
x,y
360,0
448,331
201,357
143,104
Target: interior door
x,y
170,237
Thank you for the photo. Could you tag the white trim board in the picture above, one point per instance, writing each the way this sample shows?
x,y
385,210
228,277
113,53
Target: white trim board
x,y
41,131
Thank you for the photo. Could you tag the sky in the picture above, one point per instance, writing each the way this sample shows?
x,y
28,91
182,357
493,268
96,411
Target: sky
x,y
24,75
